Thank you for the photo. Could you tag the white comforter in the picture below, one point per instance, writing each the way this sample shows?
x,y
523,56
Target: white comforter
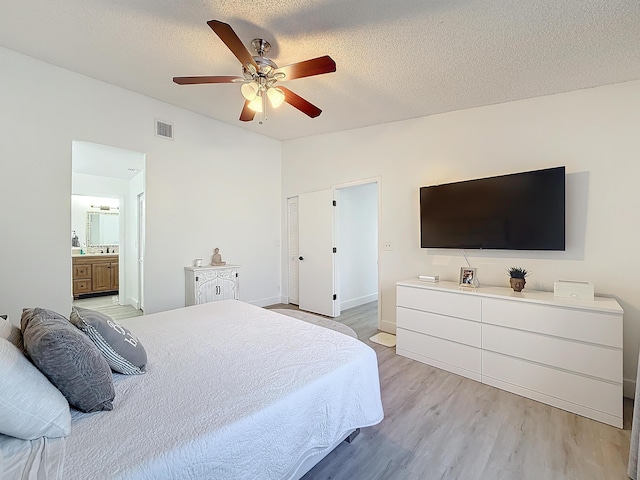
x,y
232,391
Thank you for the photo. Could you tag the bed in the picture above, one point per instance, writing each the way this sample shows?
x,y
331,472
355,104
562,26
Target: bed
x,y
231,391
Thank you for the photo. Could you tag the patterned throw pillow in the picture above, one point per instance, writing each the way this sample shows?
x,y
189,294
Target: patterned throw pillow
x,y
68,359
122,350
30,407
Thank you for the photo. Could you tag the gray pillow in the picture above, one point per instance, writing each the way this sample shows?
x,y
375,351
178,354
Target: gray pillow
x,y
122,350
10,332
68,359
30,407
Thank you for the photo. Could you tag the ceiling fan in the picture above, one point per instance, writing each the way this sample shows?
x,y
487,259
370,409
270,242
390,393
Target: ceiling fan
x,y
260,75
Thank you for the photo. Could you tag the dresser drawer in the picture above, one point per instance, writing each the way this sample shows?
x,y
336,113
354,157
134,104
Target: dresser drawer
x,y
553,384
82,271
448,328
441,353
587,326
81,286
586,359
461,305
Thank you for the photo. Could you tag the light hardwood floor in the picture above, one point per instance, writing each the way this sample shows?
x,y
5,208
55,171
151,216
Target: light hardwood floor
x,y
108,304
442,426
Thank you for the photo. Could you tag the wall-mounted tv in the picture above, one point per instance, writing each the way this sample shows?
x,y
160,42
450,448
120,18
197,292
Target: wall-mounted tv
x,y
520,211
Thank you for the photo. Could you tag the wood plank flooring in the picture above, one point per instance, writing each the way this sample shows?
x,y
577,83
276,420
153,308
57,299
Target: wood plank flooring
x,y
108,304
442,426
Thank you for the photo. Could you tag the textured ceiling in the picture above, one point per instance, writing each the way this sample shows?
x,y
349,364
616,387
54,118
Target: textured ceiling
x,y
395,59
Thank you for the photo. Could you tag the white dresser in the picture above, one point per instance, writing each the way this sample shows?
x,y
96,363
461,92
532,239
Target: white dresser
x,y
211,284
563,352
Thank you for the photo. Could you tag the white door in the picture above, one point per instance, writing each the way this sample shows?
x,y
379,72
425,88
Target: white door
x,y
317,287
140,242
293,251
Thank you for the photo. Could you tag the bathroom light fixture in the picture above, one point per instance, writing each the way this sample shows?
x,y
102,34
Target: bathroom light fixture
x,y
104,207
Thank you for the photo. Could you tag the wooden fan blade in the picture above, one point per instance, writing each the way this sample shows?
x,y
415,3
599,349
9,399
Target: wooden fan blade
x,y
300,103
198,80
247,114
231,40
308,68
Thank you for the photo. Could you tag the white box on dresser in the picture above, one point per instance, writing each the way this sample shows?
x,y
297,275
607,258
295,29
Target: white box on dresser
x,y
574,289
563,352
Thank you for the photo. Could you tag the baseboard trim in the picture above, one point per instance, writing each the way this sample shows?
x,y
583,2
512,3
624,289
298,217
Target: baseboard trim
x,y
131,301
265,302
356,302
629,388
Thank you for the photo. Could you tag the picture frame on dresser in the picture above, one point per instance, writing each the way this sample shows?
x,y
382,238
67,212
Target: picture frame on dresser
x,y
467,277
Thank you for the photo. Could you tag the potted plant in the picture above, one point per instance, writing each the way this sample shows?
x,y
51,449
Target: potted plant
x,y
517,279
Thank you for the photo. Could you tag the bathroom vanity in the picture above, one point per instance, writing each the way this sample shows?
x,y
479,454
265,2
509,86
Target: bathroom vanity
x,y
95,273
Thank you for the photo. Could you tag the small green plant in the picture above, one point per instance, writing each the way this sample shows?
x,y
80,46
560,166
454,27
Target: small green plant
x,y
517,272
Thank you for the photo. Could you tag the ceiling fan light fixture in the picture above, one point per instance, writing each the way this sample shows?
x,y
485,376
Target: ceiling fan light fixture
x,y
256,104
276,96
250,90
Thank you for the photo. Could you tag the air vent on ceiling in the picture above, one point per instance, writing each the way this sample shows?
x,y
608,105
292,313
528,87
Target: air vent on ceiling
x,y
164,129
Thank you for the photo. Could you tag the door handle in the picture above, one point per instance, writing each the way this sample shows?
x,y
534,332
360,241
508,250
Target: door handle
x,y
300,258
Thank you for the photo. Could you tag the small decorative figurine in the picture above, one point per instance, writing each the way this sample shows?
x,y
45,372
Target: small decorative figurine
x,y
216,259
517,278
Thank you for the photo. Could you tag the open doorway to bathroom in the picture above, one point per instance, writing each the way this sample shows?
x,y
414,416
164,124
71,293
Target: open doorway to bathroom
x,y
107,183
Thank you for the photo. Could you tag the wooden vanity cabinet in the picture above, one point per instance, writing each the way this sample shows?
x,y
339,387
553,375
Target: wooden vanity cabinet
x,y
95,274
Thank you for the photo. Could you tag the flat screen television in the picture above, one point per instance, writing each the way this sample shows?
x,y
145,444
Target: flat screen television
x,y
520,211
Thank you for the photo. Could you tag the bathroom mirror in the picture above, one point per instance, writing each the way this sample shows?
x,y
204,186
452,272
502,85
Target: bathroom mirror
x,y
103,229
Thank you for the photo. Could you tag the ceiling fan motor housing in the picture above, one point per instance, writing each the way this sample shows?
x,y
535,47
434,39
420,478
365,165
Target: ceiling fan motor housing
x,y
261,46
266,67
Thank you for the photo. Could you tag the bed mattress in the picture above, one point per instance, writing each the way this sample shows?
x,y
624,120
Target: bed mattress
x,y
232,391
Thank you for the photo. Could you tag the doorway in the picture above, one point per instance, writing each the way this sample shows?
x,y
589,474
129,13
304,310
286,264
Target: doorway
x,y
109,172
354,229
357,242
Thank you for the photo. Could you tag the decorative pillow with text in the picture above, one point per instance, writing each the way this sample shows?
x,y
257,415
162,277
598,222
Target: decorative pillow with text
x,y
122,350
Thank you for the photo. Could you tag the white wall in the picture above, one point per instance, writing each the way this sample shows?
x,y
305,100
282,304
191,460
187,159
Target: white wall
x,y
358,245
215,185
593,132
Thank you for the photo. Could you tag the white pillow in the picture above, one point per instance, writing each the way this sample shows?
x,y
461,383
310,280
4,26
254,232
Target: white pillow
x,y
30,406
10,332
